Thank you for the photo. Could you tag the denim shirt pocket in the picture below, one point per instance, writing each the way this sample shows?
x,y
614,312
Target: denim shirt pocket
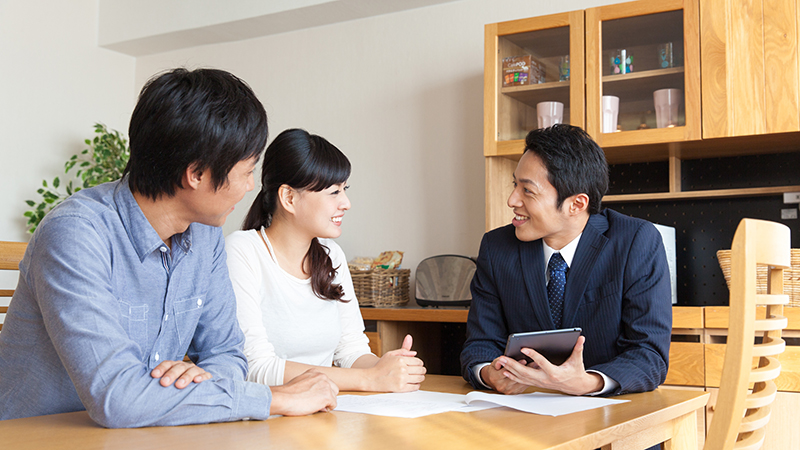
x,y
134,321
187,313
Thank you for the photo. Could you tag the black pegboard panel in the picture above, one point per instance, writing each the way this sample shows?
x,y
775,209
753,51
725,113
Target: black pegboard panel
x,y
701,228
638,178
781,169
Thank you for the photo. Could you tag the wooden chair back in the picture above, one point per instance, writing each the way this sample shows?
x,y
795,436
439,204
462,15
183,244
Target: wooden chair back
x,y
10,256
741,415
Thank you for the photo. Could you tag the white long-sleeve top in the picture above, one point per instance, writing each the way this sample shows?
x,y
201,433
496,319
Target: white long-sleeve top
x,y
281,317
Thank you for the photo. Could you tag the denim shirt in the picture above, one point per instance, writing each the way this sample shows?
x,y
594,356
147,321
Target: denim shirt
x,y
101,301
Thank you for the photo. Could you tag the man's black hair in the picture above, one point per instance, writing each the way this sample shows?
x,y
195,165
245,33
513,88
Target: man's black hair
x,y
575,163
203,119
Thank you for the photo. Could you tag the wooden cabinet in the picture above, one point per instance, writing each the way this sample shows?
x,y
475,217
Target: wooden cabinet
x,y
686,366
750,67
747,55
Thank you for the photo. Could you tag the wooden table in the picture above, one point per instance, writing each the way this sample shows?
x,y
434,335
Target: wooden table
x,y
647,419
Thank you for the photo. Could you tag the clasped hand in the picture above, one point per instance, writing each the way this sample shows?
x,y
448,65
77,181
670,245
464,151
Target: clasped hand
x,y
507,376
398,370
180,372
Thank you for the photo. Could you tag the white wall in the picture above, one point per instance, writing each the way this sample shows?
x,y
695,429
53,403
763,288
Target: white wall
x,y
56,83
402,96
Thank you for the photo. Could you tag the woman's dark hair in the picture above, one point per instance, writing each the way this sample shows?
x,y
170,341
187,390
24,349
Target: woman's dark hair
x,y
575,163
301,161
204,118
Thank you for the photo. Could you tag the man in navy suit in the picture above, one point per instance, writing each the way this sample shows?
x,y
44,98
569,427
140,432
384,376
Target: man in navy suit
x,y
616,287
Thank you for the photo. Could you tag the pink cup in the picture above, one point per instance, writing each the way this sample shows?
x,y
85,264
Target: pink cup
x,y
549,113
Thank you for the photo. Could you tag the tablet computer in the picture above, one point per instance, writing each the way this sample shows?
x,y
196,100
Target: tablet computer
x,y
555,345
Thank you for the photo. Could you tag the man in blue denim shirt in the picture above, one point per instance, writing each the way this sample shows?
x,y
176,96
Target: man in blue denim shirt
x,y
121,281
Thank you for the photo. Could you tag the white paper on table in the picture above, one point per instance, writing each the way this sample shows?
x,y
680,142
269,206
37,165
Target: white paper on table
x,y
541,403
458,401
408,404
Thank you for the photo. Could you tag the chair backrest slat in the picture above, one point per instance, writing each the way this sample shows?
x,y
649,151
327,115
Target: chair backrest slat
x,y
739,418
10,255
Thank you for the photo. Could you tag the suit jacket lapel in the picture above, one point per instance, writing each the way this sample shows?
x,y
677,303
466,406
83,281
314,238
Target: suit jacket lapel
x,y
532,261
591,244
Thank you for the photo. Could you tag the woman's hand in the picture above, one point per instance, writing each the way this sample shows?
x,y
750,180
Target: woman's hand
x,y
398,370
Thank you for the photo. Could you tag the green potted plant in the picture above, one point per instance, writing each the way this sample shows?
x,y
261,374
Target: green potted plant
x,y
103,161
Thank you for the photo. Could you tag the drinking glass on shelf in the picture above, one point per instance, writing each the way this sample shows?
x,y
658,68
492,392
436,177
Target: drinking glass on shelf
x,y
664,55
563,69
610,113
621,62
667,103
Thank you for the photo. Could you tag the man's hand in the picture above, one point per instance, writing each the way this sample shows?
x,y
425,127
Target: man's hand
x,y
180,372
398,370
569,378
307,393
493,376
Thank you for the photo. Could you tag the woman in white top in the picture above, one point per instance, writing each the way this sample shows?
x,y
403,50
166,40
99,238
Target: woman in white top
x,y
295,298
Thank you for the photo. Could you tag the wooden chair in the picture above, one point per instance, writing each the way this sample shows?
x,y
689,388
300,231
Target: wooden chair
x,y
741,415
10,256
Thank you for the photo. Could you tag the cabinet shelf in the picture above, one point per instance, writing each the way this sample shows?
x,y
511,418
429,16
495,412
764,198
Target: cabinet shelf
x,y
705,194
554,91
648,74
654,145
635,90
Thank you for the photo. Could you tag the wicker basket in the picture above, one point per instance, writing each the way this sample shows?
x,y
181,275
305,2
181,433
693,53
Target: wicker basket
x,y
381,287
791,276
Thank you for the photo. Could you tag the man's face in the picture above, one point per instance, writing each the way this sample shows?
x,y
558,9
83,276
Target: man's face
x,y
533,201
214,206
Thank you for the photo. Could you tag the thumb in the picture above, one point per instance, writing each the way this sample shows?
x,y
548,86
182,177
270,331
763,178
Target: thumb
x,y
407,341
577,351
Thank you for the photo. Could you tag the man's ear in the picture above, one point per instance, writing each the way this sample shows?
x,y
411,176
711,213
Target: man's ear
x,y
577,204
287,197
192,178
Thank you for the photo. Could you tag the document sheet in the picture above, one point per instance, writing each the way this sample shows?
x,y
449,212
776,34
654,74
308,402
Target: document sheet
x,y
422,403
540,402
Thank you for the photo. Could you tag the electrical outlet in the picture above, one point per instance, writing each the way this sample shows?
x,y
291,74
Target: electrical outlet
x,y
789,213
791,197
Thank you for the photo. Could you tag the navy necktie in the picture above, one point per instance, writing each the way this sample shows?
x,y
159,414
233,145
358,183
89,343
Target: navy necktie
x,y
557,270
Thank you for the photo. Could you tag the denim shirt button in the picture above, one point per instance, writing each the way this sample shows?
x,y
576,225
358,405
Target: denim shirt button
x,y
199,302
166,316
157,357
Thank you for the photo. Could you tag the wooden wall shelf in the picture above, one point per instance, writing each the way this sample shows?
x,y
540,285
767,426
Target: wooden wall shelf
x,y
705,194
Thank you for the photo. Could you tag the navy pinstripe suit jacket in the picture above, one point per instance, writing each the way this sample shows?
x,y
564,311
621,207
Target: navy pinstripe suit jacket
x,y
617,291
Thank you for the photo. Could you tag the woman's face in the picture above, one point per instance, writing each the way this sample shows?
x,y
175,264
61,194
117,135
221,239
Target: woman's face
x,y
321,213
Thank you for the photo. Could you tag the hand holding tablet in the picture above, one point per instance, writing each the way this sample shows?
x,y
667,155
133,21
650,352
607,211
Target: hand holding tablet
x,y
555,345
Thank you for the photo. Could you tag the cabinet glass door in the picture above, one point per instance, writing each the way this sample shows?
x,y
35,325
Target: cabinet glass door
x,y
534,76
643,73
